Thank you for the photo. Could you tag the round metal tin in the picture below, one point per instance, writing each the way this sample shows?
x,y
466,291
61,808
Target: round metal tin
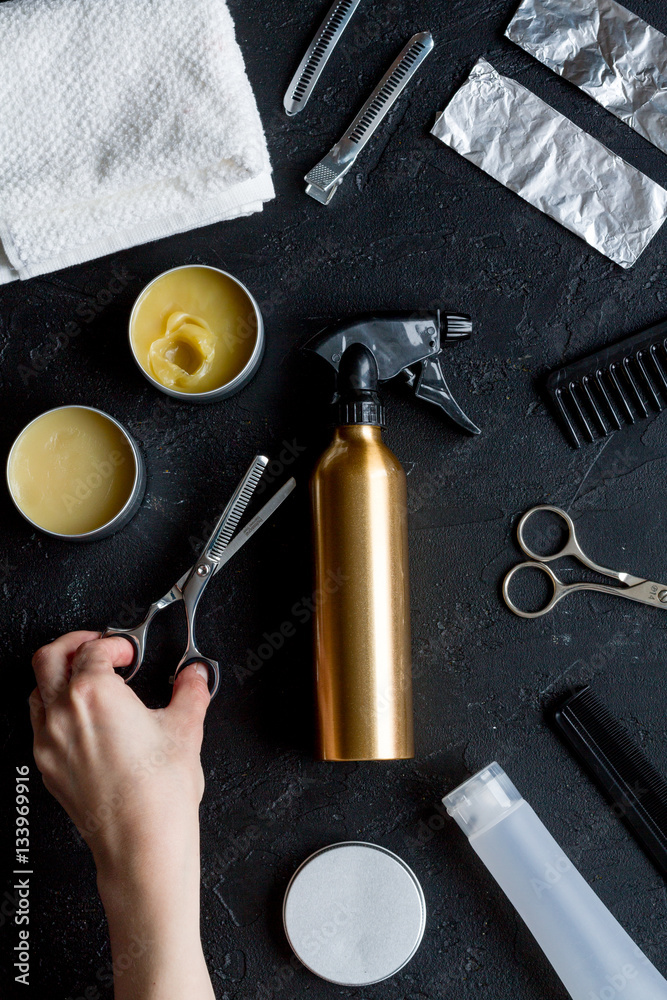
x,y
124,515
354,913
246,373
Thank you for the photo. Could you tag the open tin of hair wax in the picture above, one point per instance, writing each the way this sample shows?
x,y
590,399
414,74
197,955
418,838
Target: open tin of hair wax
x,y
197,333
75,473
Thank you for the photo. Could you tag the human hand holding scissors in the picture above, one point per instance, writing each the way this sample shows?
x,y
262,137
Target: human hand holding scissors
x,y
216,552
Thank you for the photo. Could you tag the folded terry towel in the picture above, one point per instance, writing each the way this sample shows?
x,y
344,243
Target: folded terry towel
x,y
121,121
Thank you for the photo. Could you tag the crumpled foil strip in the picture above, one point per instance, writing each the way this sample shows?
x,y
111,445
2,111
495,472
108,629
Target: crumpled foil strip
x,y
554,165
607,51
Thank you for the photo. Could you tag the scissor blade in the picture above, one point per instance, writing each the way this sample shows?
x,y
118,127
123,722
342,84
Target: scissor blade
x,y
646,592
258,520
632,581
232,513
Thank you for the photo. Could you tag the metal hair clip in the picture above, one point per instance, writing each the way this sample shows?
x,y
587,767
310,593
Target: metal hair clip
x,y
327,175
317,55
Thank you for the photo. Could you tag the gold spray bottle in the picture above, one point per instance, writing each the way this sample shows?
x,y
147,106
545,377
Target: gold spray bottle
x,y
362,617
359,505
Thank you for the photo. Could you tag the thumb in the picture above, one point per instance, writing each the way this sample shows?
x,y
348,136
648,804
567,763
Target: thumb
x,y
190,697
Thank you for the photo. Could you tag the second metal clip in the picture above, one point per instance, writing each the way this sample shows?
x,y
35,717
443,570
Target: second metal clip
x,y
327,175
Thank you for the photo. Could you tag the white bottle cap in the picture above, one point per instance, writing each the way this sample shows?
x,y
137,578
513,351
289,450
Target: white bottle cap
x,y
482,800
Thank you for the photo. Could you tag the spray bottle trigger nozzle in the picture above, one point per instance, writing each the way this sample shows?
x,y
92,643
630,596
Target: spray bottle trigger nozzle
x,y
430,385
458,326
407,343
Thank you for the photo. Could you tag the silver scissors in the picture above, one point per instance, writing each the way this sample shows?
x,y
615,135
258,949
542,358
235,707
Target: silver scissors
x,y
634,588
216,552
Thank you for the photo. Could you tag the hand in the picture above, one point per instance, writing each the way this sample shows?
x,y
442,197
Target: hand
x,y
126,774
131,780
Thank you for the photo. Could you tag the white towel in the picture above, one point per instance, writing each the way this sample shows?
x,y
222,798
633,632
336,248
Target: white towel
x,y
121,121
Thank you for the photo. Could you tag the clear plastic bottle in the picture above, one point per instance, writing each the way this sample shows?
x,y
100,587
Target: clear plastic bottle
x,y
588,948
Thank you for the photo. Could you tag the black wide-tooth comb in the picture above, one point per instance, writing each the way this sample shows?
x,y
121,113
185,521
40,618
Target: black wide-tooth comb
x,y
629,780
618,385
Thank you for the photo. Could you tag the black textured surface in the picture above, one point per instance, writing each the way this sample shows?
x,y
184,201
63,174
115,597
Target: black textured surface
x,y
412,225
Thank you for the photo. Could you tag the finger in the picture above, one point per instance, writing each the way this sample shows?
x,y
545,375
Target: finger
x,y
37,712
102,655
52,663
190,699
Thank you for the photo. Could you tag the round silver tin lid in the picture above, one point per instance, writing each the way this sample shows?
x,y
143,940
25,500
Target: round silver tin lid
x,y
354,913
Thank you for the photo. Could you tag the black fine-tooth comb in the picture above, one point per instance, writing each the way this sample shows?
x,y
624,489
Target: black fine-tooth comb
x,y
629,780
617,385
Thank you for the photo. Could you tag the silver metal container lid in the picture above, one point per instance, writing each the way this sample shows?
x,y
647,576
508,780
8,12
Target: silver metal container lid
x,y
354,913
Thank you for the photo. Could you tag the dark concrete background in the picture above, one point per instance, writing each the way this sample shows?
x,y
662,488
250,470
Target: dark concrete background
x,y
413,224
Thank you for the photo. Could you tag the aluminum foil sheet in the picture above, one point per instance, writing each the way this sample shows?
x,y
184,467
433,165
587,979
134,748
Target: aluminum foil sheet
x,y
607,51
554,165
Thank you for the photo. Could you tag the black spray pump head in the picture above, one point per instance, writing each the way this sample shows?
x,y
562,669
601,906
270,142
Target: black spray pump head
x,y
357,384
408,343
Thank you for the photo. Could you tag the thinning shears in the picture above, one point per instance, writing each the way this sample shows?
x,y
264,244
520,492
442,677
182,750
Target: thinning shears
x,y
217,551
633,587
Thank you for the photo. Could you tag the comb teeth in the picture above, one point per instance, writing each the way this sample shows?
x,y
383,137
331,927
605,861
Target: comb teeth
x,y
328,35
618,385
387,90
239,504
318,53
628,778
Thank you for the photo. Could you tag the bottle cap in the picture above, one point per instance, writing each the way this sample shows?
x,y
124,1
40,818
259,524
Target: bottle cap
x,y
354,913
357,388
482,800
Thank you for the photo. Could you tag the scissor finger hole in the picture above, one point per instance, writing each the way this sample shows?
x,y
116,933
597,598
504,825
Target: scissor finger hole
x,y
127,670
530,589
545,533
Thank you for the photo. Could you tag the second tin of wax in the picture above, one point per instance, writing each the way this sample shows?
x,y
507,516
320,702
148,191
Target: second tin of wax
x,y
75,473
